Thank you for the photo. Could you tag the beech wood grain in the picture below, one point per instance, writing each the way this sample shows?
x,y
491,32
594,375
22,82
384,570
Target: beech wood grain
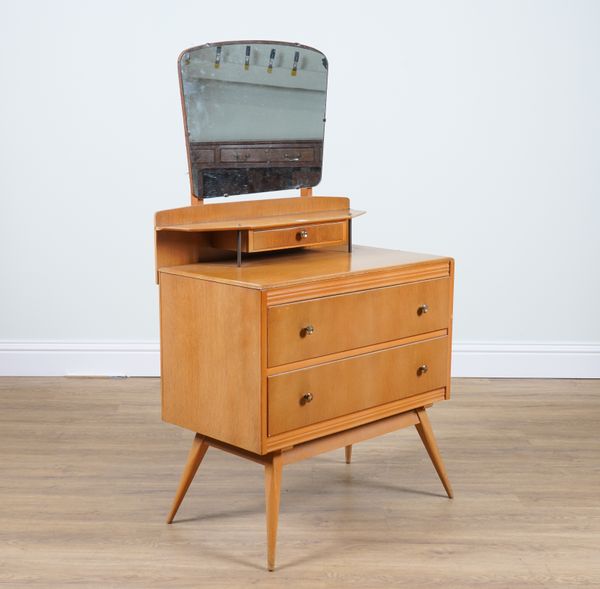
x,y
195,456
313,272
342,387
283,238
210,359
427,437
357,319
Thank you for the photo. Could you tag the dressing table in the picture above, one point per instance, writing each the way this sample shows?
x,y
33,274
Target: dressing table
x,y
281,340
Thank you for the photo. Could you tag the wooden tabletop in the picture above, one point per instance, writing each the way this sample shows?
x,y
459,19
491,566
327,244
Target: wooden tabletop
x,y
262,271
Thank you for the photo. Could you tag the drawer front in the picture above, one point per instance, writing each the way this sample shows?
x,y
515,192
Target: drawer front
x,y
293,154
323,233
202,156
309,329
244,155
304,397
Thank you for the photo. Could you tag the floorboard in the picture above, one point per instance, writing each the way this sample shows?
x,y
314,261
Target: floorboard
x,y
88,472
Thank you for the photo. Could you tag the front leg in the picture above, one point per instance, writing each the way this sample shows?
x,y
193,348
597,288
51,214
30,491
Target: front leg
x,y
273,471
428,439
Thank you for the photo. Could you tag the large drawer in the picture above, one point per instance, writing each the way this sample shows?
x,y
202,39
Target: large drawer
x,y
309,329
310,395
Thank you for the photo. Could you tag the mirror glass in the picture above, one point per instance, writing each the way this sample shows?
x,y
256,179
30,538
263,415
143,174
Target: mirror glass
x,y
254,113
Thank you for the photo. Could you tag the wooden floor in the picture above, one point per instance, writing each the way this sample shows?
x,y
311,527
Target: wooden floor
x,y
88,472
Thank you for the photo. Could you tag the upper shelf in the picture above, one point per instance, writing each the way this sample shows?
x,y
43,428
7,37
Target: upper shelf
x,y
298,218
279,212
204,232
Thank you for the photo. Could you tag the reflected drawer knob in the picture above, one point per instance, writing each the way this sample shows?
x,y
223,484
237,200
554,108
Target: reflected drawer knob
x,y
422,310
302,234
306,398
308,330
422,369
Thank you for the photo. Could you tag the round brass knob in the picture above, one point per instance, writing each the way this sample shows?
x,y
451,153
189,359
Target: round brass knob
x,y
422,369
308,330
302,234
422,310
306,398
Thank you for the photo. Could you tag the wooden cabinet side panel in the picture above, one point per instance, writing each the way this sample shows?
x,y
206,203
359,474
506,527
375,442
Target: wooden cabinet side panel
x,y
210,359
177,248
450,320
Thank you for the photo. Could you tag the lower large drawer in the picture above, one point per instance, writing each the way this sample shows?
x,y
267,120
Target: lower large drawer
x,y
310,395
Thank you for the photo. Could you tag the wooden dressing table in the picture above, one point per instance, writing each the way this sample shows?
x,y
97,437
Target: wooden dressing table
x,y
280,341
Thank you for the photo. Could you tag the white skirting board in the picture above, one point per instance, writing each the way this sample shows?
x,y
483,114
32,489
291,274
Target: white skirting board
x,y
475,359
63,358
526,360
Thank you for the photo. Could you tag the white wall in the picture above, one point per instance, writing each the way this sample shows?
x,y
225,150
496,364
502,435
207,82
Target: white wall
x,y
478,127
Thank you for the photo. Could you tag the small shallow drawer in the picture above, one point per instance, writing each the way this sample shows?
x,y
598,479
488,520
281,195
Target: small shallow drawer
x,y
309,329
321,234
293,155
303,397
202,156
244,155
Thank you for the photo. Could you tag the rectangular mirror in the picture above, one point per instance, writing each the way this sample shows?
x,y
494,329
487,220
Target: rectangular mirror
x,y
254,114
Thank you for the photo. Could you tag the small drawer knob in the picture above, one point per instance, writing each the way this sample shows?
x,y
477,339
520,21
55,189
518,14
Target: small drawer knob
x,y
422,369
308,330
302,234
306,398
422,310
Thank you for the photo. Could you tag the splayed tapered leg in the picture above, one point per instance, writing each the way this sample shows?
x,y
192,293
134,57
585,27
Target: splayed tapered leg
x,y
426,433
273,471
348,451
197,452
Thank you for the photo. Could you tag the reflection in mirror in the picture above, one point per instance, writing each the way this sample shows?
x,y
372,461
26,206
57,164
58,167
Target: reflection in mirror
x,y
255,116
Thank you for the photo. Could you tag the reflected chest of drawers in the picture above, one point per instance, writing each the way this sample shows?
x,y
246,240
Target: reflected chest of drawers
x,y
297,353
